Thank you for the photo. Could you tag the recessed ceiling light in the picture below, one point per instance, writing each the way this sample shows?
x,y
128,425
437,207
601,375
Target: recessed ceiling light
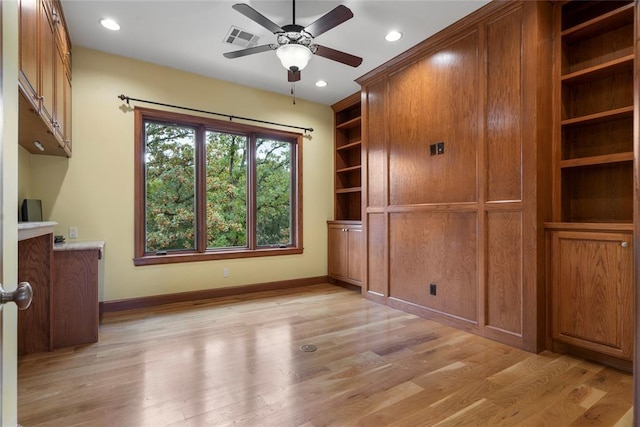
x,y
321,83
393,36
110,24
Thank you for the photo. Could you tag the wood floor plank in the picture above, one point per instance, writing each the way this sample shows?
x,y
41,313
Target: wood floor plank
x,y
238,361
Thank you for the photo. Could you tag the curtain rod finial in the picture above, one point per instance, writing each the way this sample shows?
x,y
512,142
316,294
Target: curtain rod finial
x,y
124,98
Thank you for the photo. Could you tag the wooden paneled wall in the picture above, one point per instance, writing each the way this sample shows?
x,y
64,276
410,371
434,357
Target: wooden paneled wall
x,y
468,220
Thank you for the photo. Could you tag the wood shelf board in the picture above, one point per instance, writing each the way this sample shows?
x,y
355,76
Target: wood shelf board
x,y
348,190
597,160
349,146
349,169
354,222
605,69
599,117
614,19
355,122
590,226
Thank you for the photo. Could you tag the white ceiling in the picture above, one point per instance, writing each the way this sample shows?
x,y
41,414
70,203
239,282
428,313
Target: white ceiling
x,y
188,35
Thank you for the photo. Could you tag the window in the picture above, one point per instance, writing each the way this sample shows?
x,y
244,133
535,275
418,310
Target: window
x,y
210,189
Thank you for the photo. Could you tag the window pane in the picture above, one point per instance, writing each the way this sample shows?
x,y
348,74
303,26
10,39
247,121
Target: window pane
x,y
170,187
273,192
226,190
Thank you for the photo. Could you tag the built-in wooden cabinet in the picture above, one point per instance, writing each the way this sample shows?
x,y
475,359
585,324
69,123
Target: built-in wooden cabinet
x,y
348,159
345,251
595,57
345,232
456,180
75,302
593,164
592,291
44,79
35,255
64,278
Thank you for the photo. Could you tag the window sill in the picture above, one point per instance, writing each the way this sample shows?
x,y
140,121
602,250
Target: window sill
x,y
173,258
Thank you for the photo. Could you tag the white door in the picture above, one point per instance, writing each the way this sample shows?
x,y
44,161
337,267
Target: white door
x,y
8,207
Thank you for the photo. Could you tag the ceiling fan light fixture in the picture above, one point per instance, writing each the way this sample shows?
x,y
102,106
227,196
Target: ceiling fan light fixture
x,y
293,56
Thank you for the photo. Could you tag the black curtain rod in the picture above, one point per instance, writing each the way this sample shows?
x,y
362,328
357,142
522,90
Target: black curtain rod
x,y
230,117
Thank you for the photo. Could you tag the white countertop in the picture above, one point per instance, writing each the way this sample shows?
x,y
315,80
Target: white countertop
x,y
80,246
28,230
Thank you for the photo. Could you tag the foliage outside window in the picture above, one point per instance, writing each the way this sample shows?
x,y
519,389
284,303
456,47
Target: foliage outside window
x,y
210,189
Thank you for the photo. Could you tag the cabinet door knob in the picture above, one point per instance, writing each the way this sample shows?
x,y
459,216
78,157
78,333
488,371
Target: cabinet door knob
x,y
624,244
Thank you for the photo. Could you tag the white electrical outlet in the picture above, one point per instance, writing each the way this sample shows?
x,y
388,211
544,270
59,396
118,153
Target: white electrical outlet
x,y
73,232
225,272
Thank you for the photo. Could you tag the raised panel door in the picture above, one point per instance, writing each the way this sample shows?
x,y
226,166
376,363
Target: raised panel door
x,y
504,281
438,248
435,101
29,49
376,144
47,65
354,254
504,113
66,122
592,291
376,261
337,252
60,99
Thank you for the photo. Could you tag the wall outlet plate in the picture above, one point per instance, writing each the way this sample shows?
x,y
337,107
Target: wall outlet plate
x,y
432,289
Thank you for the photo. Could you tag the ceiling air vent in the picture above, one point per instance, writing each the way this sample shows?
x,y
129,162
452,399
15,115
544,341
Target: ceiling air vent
x,y
240,37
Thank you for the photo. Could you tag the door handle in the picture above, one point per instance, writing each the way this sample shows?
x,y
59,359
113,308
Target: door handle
x,y
22,296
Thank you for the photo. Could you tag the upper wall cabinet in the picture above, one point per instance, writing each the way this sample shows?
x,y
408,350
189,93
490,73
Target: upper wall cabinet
x,y
44,79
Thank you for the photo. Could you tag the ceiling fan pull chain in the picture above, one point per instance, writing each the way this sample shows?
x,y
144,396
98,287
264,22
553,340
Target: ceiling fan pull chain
x,y
293,92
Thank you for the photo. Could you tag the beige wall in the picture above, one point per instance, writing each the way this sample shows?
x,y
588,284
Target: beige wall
x,y
94,189
24,175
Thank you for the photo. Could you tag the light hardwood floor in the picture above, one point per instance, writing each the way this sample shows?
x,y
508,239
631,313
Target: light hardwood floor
x,y
238,361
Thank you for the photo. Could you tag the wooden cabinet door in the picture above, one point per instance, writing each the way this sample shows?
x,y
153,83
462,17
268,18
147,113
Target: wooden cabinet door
x,y
66,120
337,252
354,255
29,49
47,65
592,291
61,117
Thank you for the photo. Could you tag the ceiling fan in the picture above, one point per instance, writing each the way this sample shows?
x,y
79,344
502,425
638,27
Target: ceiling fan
x,y
294,44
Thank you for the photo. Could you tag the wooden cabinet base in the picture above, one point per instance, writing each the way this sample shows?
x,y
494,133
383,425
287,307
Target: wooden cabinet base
x,y
345,251
34,266
75,306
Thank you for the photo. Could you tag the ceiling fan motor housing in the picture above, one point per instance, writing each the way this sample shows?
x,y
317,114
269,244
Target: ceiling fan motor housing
x,y
294,34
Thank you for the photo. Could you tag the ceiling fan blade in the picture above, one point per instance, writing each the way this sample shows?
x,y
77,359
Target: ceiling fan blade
x,y
336,55
293,76
257,17
248,51
331,19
